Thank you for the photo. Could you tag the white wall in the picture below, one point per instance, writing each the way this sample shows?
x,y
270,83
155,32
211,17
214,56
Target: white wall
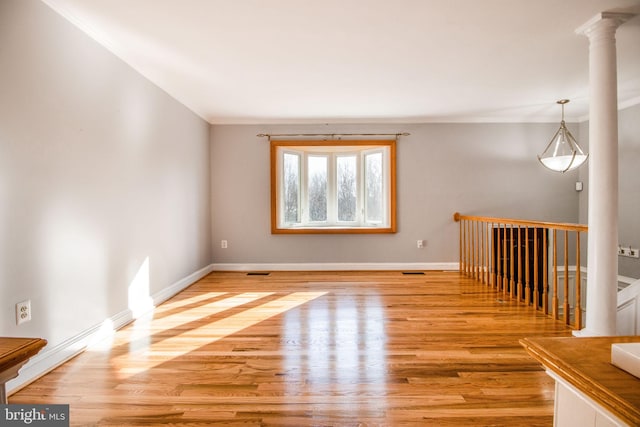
x,y
103,179
477,169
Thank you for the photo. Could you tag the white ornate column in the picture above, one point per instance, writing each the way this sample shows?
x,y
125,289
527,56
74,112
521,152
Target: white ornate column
x,y
602,256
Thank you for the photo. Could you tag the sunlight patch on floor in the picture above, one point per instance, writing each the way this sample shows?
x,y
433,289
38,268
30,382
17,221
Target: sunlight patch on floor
x,y
144,358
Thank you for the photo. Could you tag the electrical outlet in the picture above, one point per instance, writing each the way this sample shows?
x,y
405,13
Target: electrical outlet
x,y
223,244
420,244
628,251
23,312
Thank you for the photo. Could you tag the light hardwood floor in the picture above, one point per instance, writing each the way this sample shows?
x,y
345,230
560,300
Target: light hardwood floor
x,y
315,349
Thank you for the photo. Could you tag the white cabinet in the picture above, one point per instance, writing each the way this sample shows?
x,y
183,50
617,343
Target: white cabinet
x,y
574,409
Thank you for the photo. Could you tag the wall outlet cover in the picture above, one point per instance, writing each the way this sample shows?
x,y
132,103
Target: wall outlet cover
x,y
23,312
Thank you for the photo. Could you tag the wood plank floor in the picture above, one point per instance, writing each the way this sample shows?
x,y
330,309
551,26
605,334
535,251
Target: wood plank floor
x,y
315,349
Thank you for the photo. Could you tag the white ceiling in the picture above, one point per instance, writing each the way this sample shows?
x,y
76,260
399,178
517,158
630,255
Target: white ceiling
x,y
327,61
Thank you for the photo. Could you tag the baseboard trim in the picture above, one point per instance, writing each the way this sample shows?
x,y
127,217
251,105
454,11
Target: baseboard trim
x,y
166,293
53,357
333,266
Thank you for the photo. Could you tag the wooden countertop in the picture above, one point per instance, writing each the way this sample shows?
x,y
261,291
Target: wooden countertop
x,y
585,363
14,351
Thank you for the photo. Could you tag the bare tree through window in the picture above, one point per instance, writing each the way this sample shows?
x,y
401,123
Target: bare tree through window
x,y
374,201
317,188
291,186
347,188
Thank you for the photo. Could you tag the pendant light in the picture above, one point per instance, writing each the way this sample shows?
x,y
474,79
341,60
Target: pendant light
x,y
563,152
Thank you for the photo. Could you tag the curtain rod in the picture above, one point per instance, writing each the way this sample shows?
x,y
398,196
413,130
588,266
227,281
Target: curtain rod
x,y
330,135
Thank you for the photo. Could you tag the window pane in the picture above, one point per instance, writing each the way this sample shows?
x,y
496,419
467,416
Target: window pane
x,y
291,185
317,188
374,191
347,188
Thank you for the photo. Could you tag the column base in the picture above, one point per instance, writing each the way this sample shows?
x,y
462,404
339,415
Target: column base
x,y
583,333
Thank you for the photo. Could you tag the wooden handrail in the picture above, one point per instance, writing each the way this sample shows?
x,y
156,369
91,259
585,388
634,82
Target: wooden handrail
x,y
491,252
527,223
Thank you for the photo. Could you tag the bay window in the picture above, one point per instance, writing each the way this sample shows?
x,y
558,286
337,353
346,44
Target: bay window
x,y
333,186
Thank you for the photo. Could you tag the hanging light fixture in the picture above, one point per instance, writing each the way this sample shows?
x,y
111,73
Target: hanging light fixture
x,y
563,152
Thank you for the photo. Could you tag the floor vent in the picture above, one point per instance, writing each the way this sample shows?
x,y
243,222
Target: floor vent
x,y
257,273
409,273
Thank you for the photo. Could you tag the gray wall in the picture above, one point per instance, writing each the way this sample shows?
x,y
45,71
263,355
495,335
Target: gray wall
x,y
628,186
99,171
476,169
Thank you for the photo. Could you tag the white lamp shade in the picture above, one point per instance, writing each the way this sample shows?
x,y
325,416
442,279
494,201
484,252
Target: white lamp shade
x,y
564,163
563,152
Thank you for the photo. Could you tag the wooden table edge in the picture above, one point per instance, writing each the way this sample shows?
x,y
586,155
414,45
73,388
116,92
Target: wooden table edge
x,y
598,393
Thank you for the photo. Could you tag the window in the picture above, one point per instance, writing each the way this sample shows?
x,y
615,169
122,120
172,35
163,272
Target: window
x,y
333,187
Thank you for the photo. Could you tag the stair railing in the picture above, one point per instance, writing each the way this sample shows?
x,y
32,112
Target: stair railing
x,y
521,259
